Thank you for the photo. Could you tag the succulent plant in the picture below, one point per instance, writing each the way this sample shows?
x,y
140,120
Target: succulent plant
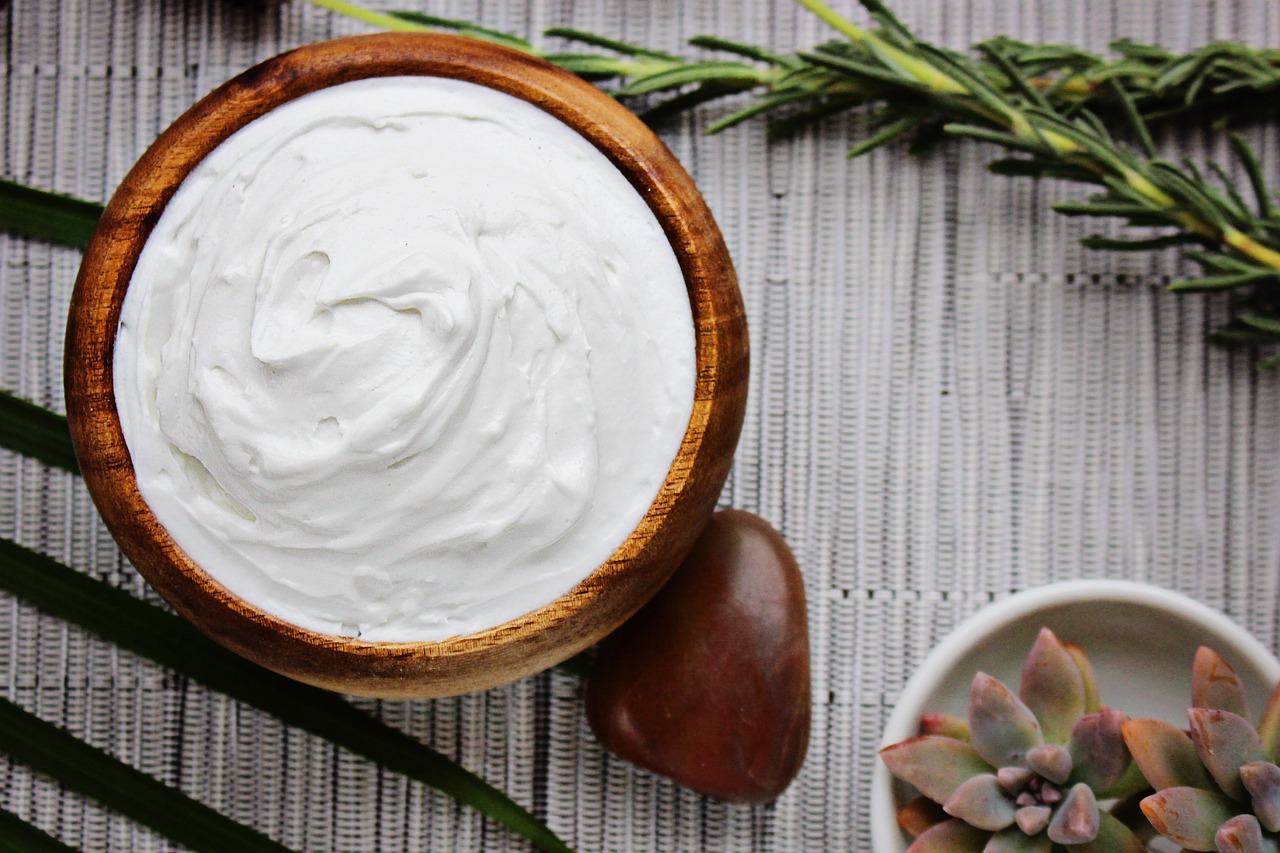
x,y
1217,785
1024,773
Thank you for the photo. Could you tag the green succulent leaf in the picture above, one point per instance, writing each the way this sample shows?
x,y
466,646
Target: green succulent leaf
x,y
951,836
1002,729
1262,780
980,802
1015,840
1214,684
1269,725
1098,750
1165,755
1091,701
1078,819
1131,783
946,725
1113,837
1188,816
935,765
1225,742
1053,687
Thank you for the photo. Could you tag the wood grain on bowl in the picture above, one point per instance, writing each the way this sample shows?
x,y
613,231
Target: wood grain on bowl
x,y
521,646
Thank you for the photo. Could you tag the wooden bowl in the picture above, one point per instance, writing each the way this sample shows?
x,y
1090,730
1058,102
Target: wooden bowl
x,y
524,645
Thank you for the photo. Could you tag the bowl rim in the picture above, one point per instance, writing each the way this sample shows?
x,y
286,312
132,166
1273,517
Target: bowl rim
x,y
473,661
983,625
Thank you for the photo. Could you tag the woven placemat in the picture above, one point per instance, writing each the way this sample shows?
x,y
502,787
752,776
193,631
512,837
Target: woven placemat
x,y
950,401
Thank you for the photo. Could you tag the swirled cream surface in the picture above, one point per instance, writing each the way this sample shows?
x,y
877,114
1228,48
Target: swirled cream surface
x,y
404,359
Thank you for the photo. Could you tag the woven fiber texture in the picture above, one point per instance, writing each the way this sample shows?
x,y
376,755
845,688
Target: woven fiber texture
x,y
950,401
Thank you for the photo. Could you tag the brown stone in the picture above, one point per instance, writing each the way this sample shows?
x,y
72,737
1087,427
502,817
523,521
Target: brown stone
x,y
709,683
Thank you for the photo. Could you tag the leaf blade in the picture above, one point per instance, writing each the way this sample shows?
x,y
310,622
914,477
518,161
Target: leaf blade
x,y
48,216
90,771
17,834
172,642
36,432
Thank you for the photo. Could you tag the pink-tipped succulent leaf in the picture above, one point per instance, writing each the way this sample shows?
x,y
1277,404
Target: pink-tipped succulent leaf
x,y
1052,761
1001,728
1262,780
1225,742
1098,749
1189,817
1014,780
1242,834
1214,684
935,765
1033,819
950,836
980,802
1165,755
1077,820
1053,687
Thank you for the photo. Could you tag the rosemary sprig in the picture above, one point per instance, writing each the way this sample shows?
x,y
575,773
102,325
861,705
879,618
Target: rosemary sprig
x,y
1237,244
1227,77
1042,102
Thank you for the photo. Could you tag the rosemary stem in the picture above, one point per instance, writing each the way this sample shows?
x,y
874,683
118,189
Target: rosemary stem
x,y
377,19
891,54
1246,245
1025,127
834,20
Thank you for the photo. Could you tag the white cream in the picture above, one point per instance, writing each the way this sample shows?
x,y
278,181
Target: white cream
x,y
404,359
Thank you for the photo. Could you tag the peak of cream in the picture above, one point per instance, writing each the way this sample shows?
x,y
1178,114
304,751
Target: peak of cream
x,y
404,359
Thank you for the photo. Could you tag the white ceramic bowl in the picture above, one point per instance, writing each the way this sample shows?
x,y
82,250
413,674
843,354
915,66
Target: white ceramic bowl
x,y
1141,639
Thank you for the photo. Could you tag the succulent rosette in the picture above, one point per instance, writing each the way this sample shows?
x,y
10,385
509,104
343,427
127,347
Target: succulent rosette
x,y
1217,784
1026,773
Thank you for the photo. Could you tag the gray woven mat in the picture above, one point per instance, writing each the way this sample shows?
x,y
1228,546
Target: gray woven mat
x,y
950,401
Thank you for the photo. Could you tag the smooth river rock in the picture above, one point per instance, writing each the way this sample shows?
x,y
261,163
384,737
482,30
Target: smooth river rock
x,y
709,683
